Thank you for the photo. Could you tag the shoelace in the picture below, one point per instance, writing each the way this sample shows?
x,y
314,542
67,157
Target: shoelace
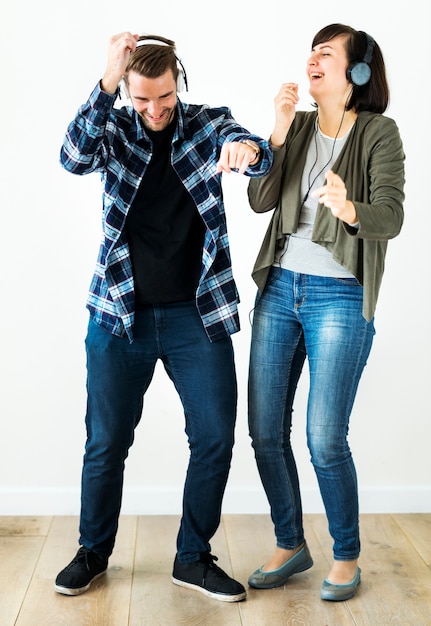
x,y
82,557
208,560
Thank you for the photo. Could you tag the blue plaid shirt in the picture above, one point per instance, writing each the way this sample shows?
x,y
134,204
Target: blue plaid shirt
x,y
113,142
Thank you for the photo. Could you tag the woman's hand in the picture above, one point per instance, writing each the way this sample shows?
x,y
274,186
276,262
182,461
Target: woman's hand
x,y
285,110
334,196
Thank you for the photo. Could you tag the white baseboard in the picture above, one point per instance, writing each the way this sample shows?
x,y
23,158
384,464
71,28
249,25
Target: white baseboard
x,y
237,500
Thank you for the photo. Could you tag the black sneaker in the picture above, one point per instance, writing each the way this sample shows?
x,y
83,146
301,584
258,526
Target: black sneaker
x,y
208,578
80,573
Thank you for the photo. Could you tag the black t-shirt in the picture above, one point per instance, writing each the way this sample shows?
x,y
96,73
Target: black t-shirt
x,y
164,230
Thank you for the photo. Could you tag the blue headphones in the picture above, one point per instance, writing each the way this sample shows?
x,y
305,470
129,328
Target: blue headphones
x,y
359,72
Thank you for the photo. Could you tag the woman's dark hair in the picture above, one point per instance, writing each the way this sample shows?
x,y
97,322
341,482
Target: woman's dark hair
x,y
374,95
152,59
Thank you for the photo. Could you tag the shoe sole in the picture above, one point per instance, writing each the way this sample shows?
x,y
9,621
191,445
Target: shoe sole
x,y
332,598
211,594
76,591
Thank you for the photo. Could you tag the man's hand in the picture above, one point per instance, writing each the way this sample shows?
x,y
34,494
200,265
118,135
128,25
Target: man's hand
x,y
120,48
238,155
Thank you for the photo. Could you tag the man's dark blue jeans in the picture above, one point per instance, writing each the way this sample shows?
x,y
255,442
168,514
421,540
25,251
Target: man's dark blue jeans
x,y
118,375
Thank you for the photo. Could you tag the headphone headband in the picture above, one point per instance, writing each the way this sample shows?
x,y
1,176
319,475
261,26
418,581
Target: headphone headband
x,y
153,42
370,47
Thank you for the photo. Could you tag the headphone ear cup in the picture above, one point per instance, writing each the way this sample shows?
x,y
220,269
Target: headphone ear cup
x,y
359,73
181,84
124,91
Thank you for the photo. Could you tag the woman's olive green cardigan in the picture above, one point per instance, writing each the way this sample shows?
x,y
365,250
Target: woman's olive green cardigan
x,y
371,164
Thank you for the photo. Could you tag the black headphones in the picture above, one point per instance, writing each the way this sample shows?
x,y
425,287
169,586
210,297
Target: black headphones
x,y
182,84
359,72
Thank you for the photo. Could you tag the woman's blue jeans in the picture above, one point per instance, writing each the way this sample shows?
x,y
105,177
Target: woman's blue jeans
x,y
301,316
118,375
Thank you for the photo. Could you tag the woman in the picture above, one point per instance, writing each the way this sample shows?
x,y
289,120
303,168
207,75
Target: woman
x,y
337,187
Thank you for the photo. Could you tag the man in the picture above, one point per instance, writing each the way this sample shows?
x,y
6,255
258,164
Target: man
x,y
162,289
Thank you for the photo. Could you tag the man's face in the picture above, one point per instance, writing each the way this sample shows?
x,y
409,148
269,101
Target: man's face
x,y
154,99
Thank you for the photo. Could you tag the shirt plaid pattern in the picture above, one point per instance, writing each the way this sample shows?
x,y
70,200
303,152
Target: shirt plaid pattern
x,y
113,142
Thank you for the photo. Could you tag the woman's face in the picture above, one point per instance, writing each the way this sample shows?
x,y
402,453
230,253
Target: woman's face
x,y
326,69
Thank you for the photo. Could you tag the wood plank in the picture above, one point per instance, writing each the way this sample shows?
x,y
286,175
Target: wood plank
x,y
395,589
24,526
18,558
397,576
155,599
417,527
106,603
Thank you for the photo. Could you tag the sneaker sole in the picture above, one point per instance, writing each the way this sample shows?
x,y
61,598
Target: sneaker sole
x,y
211,594
76,591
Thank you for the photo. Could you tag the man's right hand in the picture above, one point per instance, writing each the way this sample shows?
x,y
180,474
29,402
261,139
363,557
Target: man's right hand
x,y
120,48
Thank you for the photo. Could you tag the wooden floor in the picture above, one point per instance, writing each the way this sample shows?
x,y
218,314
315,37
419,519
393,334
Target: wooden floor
x,y
137,590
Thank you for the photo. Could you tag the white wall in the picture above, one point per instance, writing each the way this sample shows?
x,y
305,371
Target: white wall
x,y
52,54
